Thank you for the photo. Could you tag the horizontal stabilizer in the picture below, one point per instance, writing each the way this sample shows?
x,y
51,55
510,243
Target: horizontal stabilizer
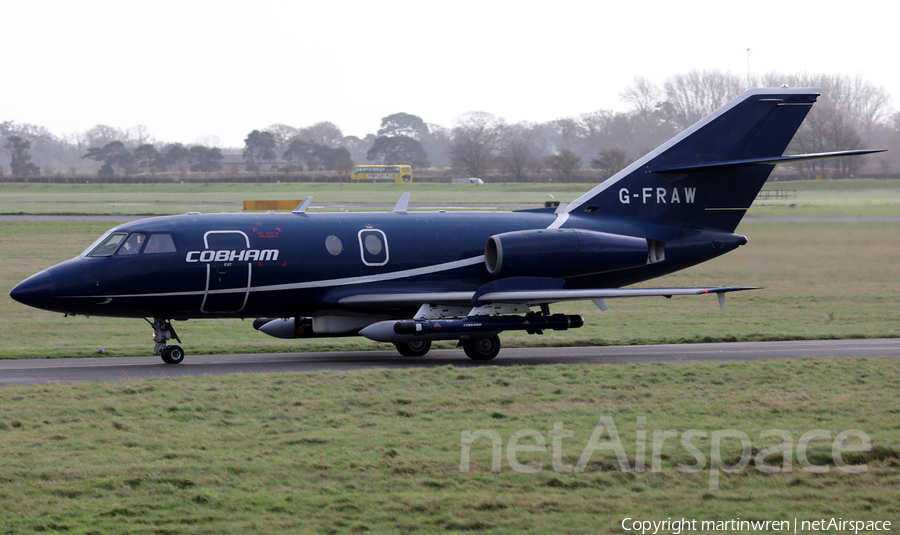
x,y
710,166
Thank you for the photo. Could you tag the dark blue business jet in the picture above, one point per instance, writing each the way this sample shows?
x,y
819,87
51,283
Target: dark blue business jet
x,y
409,278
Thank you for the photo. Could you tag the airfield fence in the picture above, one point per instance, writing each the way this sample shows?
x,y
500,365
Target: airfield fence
x,y
769,194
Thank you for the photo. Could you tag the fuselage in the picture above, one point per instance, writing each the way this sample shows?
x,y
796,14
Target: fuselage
x,y
299,264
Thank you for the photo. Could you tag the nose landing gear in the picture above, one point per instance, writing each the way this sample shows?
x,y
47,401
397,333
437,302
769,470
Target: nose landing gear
x,y
162,333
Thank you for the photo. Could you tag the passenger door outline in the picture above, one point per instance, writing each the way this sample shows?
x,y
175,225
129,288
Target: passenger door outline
x,y
369,257
216,297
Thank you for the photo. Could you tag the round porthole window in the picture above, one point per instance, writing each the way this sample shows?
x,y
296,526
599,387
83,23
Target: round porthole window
x,y
373,244
334,245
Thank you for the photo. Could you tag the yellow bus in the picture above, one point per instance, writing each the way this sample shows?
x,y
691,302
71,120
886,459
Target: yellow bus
x,y
381,173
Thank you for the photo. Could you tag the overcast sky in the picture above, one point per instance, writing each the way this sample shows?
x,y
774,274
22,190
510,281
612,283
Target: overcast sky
x,y
189,70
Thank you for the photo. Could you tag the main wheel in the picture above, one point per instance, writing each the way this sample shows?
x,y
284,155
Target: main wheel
x,y
416,348
173,355
482,348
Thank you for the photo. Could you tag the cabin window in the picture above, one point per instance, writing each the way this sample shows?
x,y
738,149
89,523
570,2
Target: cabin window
x,y
373,244
334,245
109,245
133,244
160,243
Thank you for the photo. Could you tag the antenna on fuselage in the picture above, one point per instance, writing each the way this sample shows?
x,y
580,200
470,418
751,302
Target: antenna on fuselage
x,y
303,206
402,204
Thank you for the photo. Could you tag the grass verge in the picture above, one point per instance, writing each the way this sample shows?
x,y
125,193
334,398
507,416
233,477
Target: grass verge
x,y
819,198
380,450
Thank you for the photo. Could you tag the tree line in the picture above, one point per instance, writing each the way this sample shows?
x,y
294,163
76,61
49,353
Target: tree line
x,y
852,113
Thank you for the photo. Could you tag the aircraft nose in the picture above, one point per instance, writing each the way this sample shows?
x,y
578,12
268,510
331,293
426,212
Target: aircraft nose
x,y
34,290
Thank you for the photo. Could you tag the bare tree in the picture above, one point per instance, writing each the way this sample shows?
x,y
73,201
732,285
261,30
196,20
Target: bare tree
x,y
358,147
139,135
610,161
564,164
517,150
643,96
603,129
693,95
862,103
209,141
564,133
101,135
828,129
437,143
283,135
474,139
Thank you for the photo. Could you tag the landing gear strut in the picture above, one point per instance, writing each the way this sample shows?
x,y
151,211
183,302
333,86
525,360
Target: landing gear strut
x,y
162,333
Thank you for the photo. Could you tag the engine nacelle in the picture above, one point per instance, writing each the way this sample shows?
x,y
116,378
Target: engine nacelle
x,y
562,253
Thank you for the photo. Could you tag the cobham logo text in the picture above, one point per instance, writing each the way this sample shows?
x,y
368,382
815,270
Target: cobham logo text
x,y
247,255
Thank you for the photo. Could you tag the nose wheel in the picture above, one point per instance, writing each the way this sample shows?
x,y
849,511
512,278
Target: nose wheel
x,y
162,333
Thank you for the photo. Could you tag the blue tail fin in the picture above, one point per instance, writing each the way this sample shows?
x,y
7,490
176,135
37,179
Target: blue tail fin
x,y
709,174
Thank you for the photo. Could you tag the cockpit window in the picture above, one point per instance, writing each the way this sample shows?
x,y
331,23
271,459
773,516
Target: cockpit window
x,y
160,243
97,242
133,244
108,246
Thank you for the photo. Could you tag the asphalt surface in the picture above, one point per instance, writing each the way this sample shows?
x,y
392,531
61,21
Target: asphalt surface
x,y
120,368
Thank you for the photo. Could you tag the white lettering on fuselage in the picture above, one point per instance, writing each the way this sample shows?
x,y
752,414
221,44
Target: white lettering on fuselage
x,y
246,255
658,196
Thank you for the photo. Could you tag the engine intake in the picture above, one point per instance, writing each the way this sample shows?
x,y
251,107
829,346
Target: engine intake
x,y
562,253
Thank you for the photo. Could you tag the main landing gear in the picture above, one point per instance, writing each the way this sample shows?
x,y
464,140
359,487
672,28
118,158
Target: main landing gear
x,y
476,349
416,348
162,333
481,348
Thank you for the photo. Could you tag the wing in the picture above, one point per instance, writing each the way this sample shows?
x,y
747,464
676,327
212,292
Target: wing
x,y
406,300
598,295
527,291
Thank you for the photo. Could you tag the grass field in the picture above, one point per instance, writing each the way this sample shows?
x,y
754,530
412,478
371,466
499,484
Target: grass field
x,y
826,198
380,451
